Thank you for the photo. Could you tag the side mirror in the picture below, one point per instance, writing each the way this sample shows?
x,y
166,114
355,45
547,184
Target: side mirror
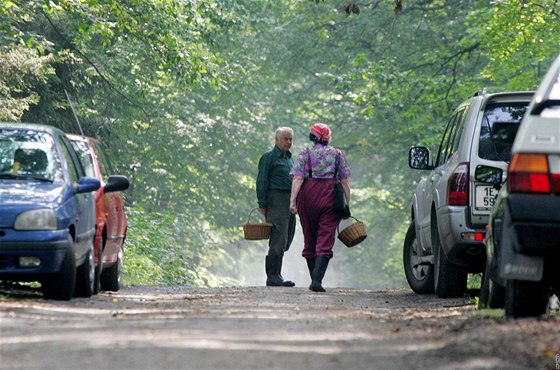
x,y
419,158
86,185
488,175
116,183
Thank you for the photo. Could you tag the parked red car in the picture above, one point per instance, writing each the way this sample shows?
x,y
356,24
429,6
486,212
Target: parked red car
x,y
111,217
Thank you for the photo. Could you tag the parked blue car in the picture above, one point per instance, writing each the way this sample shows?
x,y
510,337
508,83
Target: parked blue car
x,y
47,212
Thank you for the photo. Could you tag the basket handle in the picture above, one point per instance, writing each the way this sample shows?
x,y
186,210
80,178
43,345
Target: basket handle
x,y
337,226
253,210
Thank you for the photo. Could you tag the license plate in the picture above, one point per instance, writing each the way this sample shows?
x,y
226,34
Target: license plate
x,y
485,196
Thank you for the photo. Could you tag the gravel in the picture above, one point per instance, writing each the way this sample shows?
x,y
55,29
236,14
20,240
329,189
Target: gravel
x,y
264,327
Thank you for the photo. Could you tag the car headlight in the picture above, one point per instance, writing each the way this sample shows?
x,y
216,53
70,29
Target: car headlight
x,y
37,219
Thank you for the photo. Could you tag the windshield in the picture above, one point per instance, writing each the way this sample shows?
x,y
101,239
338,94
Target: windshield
x,y
499,127
28,155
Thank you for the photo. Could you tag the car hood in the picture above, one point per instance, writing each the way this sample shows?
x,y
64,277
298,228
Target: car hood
x,y
19,196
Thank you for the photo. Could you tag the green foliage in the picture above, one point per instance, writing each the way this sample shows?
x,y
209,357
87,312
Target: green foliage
x,y
521,39
163,248
474,281
22,72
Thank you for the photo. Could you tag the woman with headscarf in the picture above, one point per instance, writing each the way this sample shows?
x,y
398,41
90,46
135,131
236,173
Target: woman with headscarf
x,y
315,171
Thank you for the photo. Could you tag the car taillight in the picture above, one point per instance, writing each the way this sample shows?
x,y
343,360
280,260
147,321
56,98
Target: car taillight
x,y
554,163
476,236
458,186
531,173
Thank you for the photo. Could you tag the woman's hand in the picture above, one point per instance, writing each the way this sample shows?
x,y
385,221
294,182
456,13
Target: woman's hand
x,y
297,181
293,207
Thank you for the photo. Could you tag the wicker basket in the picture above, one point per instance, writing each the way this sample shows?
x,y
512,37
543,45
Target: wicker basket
x,y
353,234
256,231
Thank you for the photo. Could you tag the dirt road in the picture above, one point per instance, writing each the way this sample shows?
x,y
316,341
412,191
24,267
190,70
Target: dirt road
x,y
267,328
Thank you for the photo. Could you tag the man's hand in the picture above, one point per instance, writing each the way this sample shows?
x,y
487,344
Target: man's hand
x,y
262,211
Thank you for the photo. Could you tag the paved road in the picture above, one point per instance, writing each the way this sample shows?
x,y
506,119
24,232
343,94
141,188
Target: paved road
x,y
267,328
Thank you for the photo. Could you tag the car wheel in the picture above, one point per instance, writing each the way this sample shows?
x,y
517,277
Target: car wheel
x,y
420,277
111,277
525,298
99,268
492,295
86,276
484,289
60,285
496,295
450,280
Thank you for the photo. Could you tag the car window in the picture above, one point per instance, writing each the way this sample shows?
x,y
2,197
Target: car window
x,y
447,141
461,118
29,155
500,123
85,156
103,161
442,143
73,168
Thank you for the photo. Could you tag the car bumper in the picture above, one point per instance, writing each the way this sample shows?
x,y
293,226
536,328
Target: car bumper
x,y
49,247
457,239
536,223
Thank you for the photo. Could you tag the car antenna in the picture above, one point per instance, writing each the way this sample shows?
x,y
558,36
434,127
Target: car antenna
x,y
74,112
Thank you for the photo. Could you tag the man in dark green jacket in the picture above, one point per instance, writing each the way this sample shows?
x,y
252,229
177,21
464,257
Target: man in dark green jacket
x,y
274,185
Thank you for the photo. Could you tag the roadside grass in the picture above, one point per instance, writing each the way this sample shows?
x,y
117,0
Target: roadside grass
x,y
487,313
7,288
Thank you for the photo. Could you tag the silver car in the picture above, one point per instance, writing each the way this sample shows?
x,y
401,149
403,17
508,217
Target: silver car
x,y
451,204
523,238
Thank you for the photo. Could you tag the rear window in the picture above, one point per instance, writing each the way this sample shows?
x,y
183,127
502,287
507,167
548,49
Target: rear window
x,y
499,127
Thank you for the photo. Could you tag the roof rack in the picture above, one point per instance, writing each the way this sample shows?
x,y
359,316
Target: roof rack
x,y
478,93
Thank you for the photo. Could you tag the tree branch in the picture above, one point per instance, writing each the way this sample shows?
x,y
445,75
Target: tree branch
x,y
91,63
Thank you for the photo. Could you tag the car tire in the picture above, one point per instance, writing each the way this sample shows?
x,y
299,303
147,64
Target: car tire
x,y
111,277
450,280
484,289
492,295
419,277
60,285
85,278
99,268
526,298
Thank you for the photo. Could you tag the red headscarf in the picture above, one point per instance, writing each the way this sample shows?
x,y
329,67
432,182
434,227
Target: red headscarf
x,y
321,131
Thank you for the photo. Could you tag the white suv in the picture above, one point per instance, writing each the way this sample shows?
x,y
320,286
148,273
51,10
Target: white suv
x,y
451,205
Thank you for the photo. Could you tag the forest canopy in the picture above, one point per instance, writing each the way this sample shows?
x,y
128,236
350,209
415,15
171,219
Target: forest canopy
x,y
186,95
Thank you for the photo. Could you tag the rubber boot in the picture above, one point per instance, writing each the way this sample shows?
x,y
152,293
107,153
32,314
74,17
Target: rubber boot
x,y
279,271
311,266
321,264
273,264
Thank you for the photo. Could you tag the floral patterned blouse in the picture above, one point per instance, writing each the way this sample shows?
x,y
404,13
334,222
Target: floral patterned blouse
x,y
322,159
